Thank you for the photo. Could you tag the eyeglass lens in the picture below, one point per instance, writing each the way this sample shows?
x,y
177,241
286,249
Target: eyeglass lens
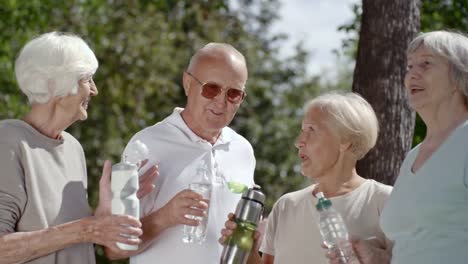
x,y
211,90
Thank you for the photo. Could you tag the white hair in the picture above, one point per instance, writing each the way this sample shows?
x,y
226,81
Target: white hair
x,y
451,46
52,64
352,117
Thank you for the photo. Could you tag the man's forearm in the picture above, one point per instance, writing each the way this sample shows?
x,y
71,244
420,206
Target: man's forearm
x,y
20,247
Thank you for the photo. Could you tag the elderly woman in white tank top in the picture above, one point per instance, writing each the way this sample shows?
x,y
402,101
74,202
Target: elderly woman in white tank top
x,y
338,129
44,212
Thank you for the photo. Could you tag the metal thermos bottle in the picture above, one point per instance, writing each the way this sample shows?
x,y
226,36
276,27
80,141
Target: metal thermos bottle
x,y
248,213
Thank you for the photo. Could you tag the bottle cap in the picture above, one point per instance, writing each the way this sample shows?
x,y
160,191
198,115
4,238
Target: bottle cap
x,y
136,152
250,207
254,194
323,203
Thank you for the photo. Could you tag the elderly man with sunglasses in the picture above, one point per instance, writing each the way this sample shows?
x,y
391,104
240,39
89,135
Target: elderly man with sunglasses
x,y
189,138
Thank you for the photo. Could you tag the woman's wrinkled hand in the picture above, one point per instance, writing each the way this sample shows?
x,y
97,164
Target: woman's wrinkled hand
x,y
335,257
371,251
367,251
229,228
110,229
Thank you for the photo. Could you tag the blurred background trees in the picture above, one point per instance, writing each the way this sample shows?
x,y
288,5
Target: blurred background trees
x,y
143,46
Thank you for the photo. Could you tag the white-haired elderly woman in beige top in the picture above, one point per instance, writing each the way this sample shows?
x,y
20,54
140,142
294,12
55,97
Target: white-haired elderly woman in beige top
x,y
338,129
44,212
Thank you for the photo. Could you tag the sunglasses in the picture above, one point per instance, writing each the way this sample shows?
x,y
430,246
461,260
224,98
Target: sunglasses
x,y
210,90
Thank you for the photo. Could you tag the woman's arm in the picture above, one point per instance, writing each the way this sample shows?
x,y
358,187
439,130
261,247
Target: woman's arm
x,y
21,247
102,229
24,246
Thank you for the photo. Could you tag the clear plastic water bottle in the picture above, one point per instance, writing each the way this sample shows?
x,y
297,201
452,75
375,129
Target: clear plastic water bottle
x,y
201,184
124,185
333,230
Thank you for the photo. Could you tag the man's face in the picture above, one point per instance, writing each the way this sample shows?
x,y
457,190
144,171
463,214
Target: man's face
x,y
212,115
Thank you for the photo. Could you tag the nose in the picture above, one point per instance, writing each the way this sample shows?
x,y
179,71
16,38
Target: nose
x,y
221,98
299,141
413,72
94,91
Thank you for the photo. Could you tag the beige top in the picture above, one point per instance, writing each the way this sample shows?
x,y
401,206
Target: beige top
x,y
42,184
292,234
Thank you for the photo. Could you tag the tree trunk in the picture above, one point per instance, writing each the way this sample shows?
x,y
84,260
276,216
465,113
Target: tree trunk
x,y
387,27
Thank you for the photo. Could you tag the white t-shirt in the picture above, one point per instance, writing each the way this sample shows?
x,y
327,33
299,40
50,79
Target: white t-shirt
x,y
178,152
427,214
292,234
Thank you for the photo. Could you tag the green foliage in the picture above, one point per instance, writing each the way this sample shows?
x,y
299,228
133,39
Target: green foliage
x,y
143,48
444,14
350,44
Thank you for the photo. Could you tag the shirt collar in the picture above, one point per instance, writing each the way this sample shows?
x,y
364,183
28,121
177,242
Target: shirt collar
x,y
176,120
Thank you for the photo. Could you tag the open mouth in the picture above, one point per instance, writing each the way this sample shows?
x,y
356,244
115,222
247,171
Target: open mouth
x,y
414,89
86,103
303,157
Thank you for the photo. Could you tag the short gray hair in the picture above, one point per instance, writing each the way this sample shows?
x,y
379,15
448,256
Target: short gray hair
x,y
52,64
451,46
352,117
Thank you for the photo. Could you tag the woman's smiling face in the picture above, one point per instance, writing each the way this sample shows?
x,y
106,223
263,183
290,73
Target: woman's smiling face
x,y
77,104
427,80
